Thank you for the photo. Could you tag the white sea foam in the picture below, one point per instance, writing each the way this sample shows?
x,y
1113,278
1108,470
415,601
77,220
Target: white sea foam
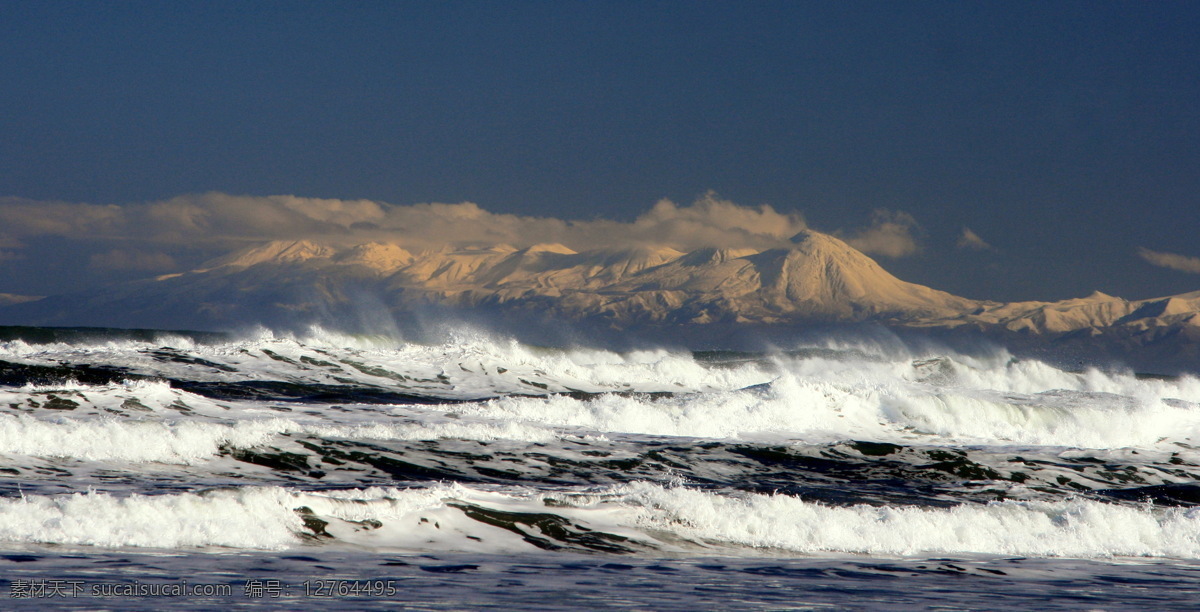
x,y
111,439
815,410
663,518
1054,529
467,365
983,399
145,398
252,518
248,518
819,409
191,441
268,518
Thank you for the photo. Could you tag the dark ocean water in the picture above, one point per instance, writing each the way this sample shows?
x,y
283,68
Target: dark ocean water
x,y
353,471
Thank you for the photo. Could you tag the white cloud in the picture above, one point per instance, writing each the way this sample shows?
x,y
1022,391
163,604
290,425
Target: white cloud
x,y
222,220
971,241
1181,263
890,233
20,218
709,221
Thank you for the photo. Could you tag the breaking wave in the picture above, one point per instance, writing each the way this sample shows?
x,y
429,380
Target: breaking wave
x,y
629,518
483,444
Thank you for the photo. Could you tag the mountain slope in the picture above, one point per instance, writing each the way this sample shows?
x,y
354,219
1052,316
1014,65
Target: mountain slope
x,y
1095,314
816,279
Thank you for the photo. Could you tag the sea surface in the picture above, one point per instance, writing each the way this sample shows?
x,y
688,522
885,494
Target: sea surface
x,y
478,472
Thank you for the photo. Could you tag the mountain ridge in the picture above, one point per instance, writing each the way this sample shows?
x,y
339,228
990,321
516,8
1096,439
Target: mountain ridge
x,y
815,279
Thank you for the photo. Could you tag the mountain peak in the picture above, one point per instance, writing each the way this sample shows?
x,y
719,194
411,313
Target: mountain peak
x,y
813,277
382,257
714,255
277,251
545,247
807,235
812,241
822,275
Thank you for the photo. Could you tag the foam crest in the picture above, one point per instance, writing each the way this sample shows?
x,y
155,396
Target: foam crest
x,y
18,348
815,410
786,407
1052,419
140,397
110,439
454,517
268,518
982,399
265,518
246,518
1049,529
1029,376
191,441
998,371
318,336
1002,400
590,368
484,432
467,365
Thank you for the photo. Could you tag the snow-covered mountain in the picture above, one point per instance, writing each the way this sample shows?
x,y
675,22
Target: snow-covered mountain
x,y
817,278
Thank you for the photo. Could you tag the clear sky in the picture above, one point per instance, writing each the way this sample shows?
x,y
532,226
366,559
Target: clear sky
x,y
1064,135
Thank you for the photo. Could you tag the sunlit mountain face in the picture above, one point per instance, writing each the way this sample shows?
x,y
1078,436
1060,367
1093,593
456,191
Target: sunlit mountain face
x,y
548,293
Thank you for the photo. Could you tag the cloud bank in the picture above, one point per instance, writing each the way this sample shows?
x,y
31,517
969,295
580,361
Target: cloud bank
x,y
1172,261
221,220
891,233
49,247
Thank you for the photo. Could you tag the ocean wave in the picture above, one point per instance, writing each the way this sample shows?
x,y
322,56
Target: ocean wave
x,y
809,410
809,397
635,518
192,441
1052,529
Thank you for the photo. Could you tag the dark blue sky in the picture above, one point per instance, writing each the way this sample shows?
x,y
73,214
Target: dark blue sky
x,y
1065,134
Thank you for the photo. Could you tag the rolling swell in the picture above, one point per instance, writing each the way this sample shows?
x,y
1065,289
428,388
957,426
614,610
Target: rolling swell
x,y
485,445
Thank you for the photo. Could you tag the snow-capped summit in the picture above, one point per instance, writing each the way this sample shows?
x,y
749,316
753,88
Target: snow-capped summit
x,y
275,252
814,277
